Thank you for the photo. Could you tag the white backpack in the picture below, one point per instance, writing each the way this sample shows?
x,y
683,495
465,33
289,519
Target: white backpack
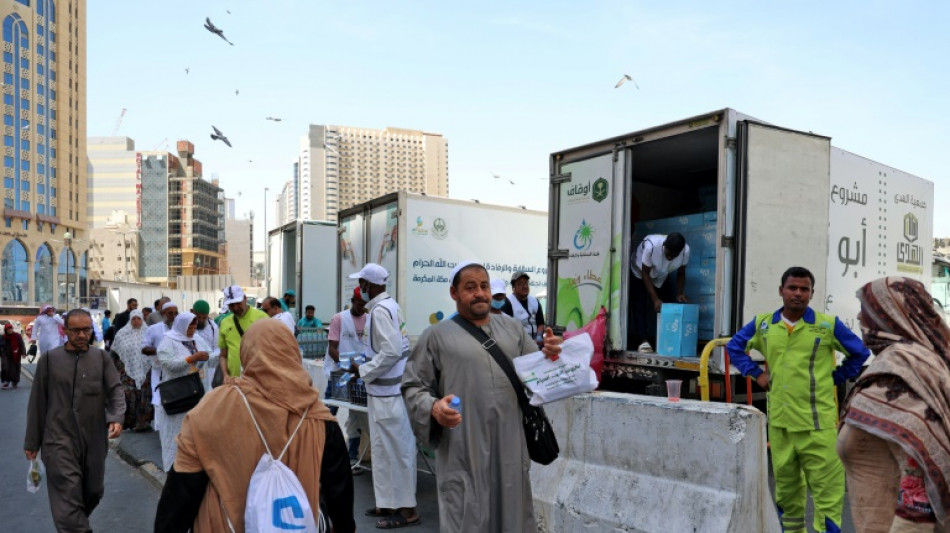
x,y
276,502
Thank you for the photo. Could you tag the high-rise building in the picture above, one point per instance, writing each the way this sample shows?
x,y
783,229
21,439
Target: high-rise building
x,y
341,166
184,235
42,235
240,247
286,203
111,181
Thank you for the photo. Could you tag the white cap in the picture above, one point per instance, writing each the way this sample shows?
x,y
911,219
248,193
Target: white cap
x,y
169,305
372,273
458,268
233,295
498,287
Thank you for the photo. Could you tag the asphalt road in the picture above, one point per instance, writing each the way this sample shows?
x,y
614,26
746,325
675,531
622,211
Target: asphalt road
x,y
130,500
128,505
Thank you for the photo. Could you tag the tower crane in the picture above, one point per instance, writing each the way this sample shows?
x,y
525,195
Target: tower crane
x,y
118,122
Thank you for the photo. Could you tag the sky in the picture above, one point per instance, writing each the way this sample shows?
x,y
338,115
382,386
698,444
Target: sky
x,y
508,83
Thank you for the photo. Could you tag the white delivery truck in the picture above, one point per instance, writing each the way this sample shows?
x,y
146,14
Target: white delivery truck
x,y
752,200
302,256
419,239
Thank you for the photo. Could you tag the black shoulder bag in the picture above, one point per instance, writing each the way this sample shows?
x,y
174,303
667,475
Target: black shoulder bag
x,y
180,394
538,433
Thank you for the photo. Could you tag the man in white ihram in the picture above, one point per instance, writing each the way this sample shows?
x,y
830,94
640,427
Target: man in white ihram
x,y
392,443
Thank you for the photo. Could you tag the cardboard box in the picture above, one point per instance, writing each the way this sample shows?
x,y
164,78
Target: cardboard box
x,y
677,330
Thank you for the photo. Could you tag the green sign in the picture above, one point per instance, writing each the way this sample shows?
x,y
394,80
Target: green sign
x,y
600,190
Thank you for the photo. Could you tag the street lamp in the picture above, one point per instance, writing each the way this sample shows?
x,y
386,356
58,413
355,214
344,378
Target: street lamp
x,y
68,239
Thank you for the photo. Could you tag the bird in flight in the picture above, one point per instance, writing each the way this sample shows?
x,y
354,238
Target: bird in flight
x,y
625,79
237,92
496,176
218,136
274,119
511,181
187,70
215,30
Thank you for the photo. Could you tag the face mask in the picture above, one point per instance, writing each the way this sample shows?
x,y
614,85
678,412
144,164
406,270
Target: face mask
x,y
497,304
364,294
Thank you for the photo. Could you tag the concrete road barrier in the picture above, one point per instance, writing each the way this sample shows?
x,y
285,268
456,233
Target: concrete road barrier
x,y
644,464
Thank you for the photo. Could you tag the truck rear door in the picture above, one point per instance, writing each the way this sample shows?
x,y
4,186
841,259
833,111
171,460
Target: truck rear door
x,y
586,200
784,178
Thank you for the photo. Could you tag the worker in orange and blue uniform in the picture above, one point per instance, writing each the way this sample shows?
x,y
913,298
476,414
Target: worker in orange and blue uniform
x,y
799,345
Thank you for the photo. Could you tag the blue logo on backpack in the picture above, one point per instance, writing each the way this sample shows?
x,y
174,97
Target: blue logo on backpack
x,y
279,505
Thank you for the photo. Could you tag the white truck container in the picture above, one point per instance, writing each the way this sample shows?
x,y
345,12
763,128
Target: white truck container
x,y
419,240
302,256
755,199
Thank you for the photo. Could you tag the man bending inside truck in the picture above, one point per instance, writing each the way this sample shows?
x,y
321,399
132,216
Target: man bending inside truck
x,y
799,346
654,259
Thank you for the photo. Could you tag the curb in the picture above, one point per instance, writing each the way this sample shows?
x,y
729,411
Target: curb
x,y
152,473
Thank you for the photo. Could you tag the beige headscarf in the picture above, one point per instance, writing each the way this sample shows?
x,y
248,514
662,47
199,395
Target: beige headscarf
x,y
218,436
904,395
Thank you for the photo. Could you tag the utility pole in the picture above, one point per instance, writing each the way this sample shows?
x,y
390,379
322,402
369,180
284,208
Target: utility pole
x,y
266,250
68,239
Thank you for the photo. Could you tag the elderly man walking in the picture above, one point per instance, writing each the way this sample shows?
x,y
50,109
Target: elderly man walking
x,y
75,395
46,330
392,444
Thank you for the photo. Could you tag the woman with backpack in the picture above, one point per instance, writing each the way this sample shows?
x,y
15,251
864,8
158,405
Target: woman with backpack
x,y
222,441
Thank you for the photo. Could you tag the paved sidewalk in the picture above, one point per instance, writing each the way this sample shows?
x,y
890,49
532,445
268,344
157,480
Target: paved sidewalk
x,y
143,450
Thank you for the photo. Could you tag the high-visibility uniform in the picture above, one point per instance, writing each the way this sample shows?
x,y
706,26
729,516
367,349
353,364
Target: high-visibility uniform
x,y
802,407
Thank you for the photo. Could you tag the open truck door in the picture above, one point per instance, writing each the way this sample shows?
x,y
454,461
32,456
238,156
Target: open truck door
x,y
586,225
784,179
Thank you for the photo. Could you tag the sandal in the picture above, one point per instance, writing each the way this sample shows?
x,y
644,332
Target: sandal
x,y
377,512
396,521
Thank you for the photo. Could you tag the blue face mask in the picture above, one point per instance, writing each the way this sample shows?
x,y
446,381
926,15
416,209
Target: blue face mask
x,y
497,304
364,294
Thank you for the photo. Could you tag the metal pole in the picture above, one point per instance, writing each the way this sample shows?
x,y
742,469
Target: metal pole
x,y
68,239
266,250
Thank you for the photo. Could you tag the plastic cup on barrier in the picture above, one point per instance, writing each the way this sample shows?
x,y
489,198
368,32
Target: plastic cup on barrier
x,y
673,389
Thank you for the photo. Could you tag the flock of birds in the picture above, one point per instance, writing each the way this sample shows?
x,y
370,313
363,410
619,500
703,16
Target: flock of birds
x,y
624,79
217,135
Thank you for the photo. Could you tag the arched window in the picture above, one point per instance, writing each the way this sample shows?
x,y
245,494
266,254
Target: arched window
x,y
67,276
14,272
43,275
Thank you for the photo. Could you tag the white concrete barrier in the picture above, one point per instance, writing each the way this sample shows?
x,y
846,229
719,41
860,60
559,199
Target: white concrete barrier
x,y
644,464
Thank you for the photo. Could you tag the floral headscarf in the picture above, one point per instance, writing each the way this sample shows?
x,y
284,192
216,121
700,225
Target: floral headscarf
x,y
904,395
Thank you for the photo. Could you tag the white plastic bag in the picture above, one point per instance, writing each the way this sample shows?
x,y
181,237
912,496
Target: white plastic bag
x,y
276,500
570,375
35,476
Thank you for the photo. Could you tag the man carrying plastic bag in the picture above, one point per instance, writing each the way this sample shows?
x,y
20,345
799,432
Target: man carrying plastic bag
x,y
570,375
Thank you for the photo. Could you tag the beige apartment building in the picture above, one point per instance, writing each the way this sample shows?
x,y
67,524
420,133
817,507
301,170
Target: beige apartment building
x,y
341,166
43,239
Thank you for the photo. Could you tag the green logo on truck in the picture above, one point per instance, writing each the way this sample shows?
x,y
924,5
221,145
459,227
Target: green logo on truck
x,y
600,190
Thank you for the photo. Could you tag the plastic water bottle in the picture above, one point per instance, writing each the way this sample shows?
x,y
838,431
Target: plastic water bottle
x,y
344,379
456,403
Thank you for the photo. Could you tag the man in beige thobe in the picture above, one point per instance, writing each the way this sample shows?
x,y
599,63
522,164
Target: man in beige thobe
x,y
481,459
76,393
